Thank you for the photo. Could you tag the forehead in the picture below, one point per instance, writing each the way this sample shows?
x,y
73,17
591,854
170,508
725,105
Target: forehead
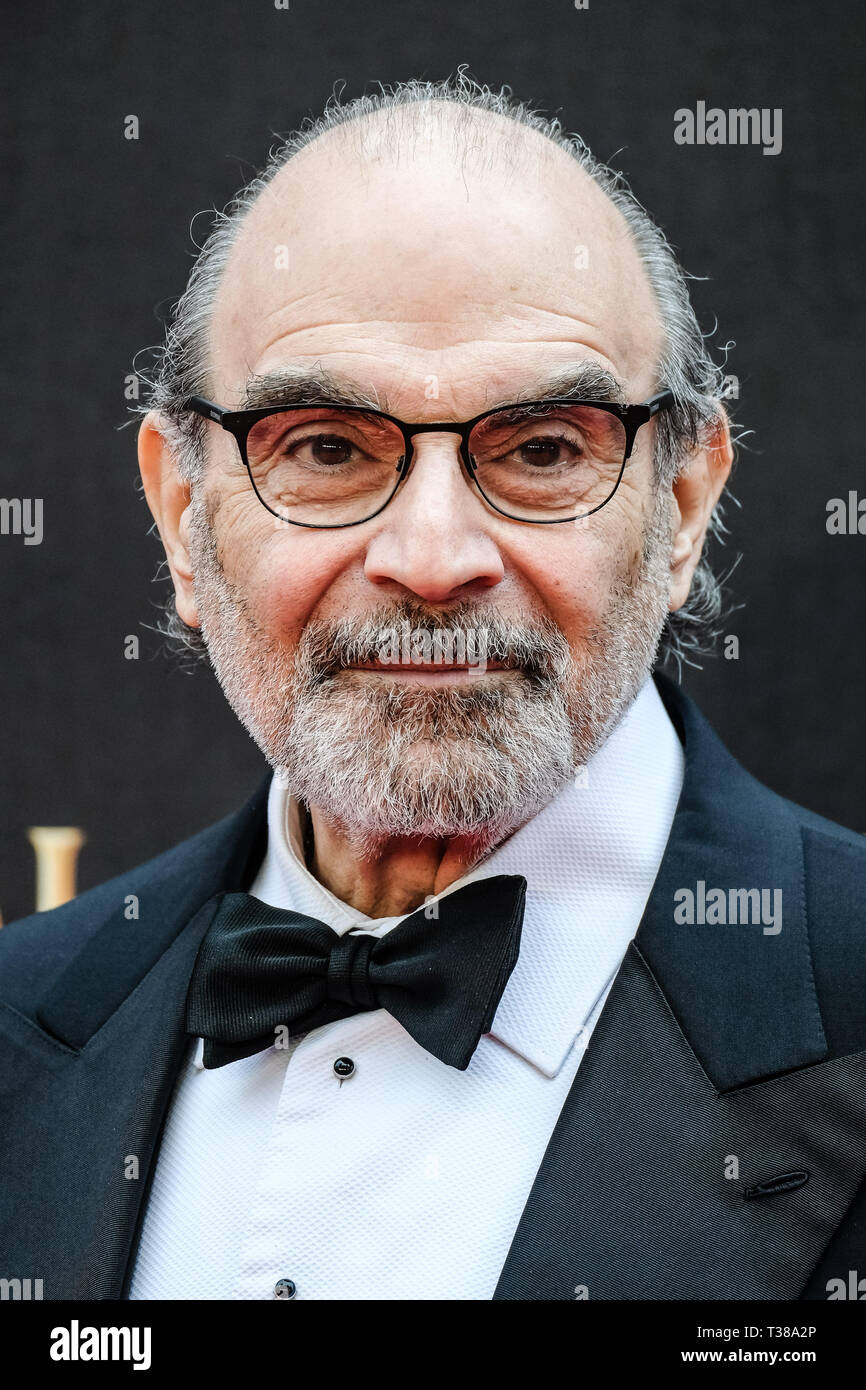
x,y
394,254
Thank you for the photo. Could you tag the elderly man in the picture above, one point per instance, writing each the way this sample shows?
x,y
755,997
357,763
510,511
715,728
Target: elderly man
x,y
509,983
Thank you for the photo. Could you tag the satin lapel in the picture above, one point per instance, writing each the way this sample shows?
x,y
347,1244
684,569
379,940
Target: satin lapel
x,y
640,1193
84,1090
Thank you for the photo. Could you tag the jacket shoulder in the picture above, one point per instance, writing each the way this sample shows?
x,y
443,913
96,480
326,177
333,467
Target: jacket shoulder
x,y
828,834
831,876
37,948
834,861
834,901
835,891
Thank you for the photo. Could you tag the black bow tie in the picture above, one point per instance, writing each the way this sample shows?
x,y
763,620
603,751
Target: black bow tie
x,y
440,973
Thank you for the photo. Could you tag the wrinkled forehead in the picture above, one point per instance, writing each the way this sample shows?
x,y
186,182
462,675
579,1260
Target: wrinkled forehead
x,y
420,245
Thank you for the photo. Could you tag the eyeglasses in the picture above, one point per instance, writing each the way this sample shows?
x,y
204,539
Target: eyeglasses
x,y
543,462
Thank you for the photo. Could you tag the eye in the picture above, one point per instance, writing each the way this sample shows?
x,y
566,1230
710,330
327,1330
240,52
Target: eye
x,y
548,450
329,450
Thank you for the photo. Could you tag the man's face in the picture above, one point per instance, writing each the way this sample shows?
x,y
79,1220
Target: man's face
x,y
440,291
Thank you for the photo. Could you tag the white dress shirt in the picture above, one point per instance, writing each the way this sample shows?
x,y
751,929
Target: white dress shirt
x,y
407,1180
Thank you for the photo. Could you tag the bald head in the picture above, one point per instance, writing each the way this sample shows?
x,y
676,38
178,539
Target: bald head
x,y
443,258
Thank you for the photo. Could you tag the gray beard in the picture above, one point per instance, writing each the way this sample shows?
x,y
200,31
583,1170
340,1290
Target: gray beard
x,y
381,758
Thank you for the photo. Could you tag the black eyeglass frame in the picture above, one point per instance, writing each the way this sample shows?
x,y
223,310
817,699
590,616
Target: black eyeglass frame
x,y
240,422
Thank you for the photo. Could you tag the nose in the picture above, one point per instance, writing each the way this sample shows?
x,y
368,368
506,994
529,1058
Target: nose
x,y
435,538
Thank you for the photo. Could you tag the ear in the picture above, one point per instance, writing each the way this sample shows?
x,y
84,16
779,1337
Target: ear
x,y
696,491
168,497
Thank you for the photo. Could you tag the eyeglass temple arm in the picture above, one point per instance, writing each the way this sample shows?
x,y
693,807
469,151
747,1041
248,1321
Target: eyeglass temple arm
x,y
208,409
659,402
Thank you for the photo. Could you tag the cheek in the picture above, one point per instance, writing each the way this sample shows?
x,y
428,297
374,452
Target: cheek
x,y
282,573
579,570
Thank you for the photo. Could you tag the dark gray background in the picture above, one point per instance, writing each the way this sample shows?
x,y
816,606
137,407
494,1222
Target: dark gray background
x,y
96,239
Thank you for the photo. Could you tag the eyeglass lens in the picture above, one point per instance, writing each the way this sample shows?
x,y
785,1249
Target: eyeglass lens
x,y
326,466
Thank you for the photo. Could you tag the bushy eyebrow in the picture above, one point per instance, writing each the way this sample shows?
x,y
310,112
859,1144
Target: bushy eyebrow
x,y
587,381
302,386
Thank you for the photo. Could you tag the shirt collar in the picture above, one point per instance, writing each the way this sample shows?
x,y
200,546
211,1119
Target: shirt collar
x,y
590,858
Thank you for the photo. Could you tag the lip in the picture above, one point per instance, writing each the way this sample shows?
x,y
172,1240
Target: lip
x,y
428,673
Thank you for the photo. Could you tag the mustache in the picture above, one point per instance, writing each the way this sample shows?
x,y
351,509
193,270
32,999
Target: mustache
x,y
536,647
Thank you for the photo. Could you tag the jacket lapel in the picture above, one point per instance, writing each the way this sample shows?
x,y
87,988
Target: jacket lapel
x,y
703,1079
98,1066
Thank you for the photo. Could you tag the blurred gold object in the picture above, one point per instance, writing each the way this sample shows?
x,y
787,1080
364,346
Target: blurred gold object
x,y
56,848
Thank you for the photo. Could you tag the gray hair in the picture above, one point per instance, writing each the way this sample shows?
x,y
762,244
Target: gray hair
x,y
181,365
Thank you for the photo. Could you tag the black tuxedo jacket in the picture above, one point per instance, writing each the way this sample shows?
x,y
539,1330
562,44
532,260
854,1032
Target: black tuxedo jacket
x,y
726,1060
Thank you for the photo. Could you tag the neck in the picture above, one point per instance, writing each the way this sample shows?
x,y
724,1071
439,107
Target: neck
x,y
403,875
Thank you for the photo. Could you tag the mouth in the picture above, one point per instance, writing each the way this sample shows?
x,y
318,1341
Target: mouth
x,y
429,673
